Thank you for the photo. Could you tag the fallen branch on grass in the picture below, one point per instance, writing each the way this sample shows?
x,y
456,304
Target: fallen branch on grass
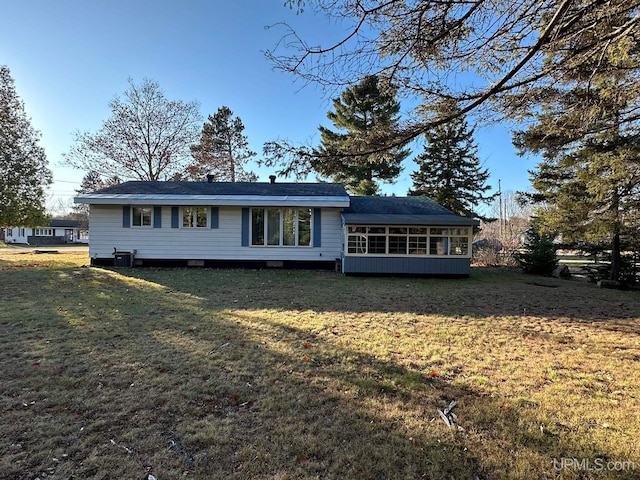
x,y
177,447
448,417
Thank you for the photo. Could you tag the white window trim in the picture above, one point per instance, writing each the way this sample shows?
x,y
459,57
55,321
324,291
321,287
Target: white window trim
x,y
281,237
428,236
133,208
38,232
195,220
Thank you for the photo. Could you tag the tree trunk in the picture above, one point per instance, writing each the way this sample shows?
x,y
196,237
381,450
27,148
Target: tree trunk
x,y
614,273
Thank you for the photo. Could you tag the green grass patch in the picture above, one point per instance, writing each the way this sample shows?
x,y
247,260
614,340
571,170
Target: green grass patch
x,y
265,374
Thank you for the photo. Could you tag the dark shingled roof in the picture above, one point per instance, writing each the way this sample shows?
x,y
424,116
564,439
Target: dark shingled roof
x,y
396,206
60,223
226,188
401,211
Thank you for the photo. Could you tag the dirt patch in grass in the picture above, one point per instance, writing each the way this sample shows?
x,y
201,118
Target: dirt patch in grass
x,y
198,373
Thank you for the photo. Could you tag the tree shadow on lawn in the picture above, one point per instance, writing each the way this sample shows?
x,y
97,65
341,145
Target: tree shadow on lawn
x,y
124,376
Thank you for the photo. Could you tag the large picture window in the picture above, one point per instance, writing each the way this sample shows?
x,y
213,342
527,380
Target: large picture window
x,y
434,241
195,217
289,227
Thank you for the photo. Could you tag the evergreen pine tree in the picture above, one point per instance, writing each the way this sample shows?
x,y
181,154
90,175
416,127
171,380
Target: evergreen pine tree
x,y
449,169
223,150
539,253
588,180
24,173
361,112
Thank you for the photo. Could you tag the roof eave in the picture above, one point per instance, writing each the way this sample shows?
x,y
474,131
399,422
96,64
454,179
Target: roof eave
x,y
219,200
407,219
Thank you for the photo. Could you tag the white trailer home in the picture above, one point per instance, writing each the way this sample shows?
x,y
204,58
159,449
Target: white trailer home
x,y
56,232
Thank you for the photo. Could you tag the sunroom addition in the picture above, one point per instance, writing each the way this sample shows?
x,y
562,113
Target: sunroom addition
x,y
414,235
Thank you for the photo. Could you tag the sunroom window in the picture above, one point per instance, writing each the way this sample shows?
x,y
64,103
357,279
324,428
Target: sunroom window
x,y
398,240
376,240
439,241
405,240
418,240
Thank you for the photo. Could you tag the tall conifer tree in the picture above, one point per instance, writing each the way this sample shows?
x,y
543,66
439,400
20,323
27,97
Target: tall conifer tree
x,y
449,169
361,110
223,150
24,173
589,178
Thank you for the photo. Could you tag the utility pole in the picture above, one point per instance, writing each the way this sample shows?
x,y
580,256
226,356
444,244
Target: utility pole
x,y
500,207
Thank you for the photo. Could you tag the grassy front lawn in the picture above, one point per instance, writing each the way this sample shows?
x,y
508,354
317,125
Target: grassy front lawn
x,y
244,374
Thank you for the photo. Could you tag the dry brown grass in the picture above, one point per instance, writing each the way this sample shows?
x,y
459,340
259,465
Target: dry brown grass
x,y
198,374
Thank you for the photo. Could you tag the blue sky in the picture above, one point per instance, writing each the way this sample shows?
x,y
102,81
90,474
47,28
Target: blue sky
x,y
69,58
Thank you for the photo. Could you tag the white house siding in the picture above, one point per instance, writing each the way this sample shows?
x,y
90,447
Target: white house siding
x,y
222,243
25,235
17,234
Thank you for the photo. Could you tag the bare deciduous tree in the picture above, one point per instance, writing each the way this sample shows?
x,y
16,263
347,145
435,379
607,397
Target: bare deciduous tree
x,y
504,236
147,137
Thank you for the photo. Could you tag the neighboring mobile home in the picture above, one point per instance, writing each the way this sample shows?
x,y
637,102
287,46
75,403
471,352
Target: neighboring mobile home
x,y
57,232
275,225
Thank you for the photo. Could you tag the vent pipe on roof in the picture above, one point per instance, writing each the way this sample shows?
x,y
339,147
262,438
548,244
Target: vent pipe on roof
x,y
272,178
211,178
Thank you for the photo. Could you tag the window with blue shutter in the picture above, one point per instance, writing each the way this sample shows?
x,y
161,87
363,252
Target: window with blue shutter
x,y
317,227
126,216
215,217
157,217
175,217
245,227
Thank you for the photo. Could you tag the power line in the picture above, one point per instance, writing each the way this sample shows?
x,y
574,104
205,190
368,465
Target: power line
x,y
66,181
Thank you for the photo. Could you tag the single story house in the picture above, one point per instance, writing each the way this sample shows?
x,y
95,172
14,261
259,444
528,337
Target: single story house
x,y
274,224
57,232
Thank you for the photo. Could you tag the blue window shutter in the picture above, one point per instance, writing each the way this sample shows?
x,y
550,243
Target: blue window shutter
x,y
317,227
175,217
157,217
126,216
215,217
245,227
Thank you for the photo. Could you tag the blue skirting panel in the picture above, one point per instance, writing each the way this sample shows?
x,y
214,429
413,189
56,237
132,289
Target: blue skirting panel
x,y
406,265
